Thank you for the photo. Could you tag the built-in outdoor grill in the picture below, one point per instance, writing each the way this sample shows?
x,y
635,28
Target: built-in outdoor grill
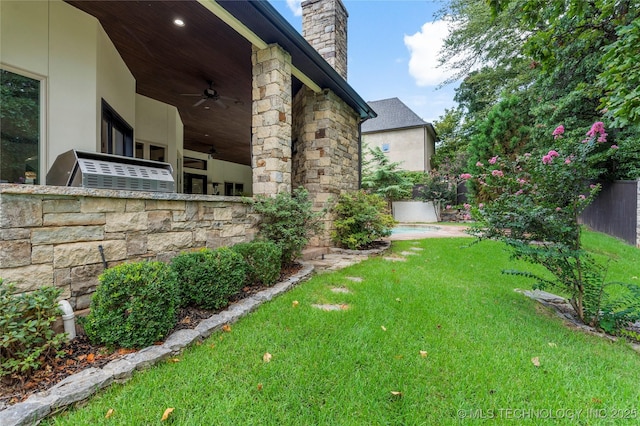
x,y
97,170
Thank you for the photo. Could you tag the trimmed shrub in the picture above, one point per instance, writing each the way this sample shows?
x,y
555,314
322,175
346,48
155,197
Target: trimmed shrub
x,y
263,261
208,278
360,219
26,336
134,306
287,220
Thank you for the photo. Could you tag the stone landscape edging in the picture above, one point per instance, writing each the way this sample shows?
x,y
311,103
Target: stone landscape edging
x,y
84,384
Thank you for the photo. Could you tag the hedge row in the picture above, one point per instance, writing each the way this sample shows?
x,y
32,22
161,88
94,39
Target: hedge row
x,y
136,304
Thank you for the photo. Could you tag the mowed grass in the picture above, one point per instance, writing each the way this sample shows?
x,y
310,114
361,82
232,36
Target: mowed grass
x,y
363,365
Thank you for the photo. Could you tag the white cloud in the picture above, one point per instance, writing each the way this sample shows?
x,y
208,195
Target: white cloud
x,y
295,7
424,47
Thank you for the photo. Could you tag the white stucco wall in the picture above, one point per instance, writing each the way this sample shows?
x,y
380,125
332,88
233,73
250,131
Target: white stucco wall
x,y
221,172
78,65
406,146
159,124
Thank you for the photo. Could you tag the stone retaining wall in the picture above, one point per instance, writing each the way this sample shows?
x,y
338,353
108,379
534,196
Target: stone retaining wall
x,y
55,235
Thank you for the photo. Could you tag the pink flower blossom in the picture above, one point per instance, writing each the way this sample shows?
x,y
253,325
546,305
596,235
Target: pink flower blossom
x,y
547,159
467,217
481,205
520,191
527,154
598,129
593,186
557,133
558,209
614,146
521,181
448,207
567,161
582,196
493,160
497,173
553,153
467,206
479,164
465,176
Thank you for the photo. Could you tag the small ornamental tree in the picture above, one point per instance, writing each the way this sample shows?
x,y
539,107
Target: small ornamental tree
x,y
533,206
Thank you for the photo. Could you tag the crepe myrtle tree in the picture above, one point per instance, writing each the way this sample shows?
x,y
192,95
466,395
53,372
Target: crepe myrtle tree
x,y
534,205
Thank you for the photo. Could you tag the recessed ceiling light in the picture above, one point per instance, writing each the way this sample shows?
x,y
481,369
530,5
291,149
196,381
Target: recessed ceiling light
x,y
179,22
207,107
206,134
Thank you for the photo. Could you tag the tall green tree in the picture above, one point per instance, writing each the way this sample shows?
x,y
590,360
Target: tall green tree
x,y
383,177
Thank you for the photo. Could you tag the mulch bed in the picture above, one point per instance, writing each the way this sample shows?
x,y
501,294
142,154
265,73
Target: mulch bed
x,y
80,353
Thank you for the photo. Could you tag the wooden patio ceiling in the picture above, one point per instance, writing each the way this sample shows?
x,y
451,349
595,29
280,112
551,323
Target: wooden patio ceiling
x,y
167,61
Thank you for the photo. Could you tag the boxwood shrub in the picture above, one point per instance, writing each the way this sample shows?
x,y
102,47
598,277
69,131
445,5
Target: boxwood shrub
x,y
208,278
134,306
263,261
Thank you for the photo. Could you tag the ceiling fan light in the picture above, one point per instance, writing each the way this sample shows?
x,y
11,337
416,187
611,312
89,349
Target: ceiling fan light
x,y
178,22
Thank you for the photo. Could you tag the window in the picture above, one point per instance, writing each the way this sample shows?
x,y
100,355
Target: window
x,y
195,163
231,188
385,147
195,184
19,129
117,135
149,151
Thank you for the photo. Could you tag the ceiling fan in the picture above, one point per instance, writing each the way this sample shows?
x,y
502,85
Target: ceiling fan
x,y
211,94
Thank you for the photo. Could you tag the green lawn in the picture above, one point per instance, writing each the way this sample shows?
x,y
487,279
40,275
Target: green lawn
x,y
343,367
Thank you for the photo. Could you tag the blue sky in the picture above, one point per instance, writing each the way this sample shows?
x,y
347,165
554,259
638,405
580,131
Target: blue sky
x,y
393,45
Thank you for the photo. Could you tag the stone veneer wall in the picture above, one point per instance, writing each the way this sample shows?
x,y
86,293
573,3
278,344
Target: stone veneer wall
x,y
324,26
52,235
326,156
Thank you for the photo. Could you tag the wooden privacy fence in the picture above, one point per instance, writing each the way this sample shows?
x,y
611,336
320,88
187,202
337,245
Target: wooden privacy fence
x,y
616,211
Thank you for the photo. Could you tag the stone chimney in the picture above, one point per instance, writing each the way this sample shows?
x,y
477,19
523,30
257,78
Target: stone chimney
x,y
324,26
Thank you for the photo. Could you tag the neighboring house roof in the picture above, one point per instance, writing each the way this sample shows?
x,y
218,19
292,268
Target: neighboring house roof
x,y
392,114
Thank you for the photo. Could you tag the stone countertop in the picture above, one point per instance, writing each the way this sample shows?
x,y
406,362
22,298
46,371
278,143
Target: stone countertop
x,y
16,189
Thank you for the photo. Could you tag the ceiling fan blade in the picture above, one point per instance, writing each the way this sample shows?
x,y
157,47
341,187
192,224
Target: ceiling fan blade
x,y
190,94
199,102
221,104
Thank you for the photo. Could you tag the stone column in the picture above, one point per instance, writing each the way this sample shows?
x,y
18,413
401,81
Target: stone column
x,y
326,150
271,125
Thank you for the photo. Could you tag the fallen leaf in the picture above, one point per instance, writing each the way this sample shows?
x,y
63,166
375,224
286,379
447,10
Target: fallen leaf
x,y
109,413
399,356
397,299
423,354
213,345
91,357
226,328
553,345
536,361
396,393
266,357
166,414
174,360
344,307
383,328
259,386
596,400
295,303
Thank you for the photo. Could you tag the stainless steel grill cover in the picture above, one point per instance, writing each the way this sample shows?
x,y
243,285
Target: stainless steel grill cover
x,y
97,170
